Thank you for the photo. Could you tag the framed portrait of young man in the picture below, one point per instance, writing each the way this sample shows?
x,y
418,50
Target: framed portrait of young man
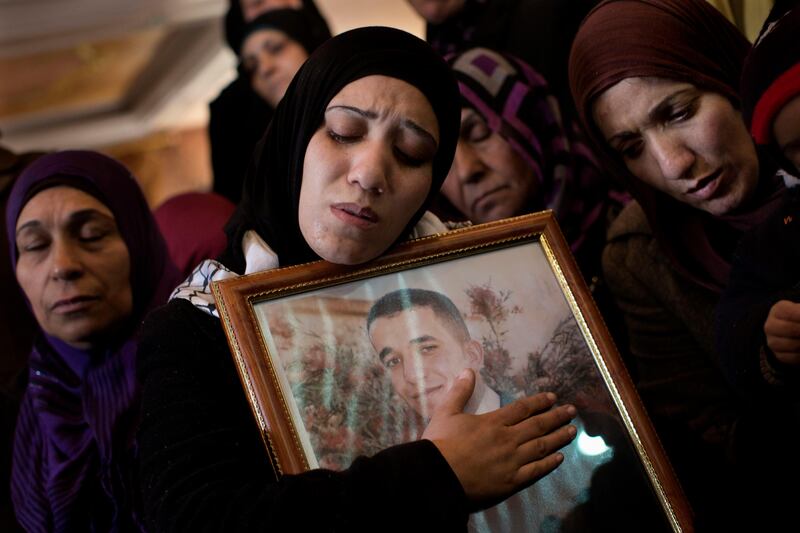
x,y
343,361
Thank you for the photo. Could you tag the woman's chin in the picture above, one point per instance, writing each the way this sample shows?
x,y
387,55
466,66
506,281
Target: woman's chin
x,y
347,254
496,213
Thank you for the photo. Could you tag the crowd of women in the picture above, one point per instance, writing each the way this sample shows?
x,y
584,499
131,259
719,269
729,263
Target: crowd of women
x,y
664,142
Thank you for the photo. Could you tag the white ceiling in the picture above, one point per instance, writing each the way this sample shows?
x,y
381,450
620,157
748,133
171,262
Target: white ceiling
x,y
173,91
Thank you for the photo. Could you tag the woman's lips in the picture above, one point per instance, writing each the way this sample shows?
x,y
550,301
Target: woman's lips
x,y
73,305
706,187
350,213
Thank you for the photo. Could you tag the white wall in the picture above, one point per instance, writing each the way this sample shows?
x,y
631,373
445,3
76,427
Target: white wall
x,y
345,15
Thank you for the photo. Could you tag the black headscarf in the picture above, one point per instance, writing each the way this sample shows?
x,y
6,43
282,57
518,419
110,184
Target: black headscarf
x,y
235,24
271,194
298,24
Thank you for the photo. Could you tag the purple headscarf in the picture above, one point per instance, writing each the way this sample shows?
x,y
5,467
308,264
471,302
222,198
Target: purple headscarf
x,y
72,466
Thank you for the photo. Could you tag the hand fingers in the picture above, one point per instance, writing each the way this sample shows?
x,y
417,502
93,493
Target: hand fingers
x,y
782,328
542,424
532,472
786,310
535,449
783,344
524,408
459,393
788,358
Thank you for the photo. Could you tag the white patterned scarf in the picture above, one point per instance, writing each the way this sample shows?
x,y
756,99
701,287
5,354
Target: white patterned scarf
x,y
259,257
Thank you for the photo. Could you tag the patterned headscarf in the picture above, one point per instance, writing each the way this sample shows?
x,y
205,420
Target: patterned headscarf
x,y
73,465
516,103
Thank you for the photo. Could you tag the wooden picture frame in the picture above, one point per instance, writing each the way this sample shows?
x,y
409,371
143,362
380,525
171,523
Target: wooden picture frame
x,y
322,393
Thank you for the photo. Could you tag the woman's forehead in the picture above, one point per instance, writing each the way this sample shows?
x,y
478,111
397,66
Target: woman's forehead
x,y
58,202
631,100
256,37
388,97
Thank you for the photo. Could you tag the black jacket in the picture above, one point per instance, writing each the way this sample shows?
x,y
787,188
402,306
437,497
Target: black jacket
x,y
766,269
238,118
204,468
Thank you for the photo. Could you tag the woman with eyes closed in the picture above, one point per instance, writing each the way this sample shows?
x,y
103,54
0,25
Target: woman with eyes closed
x,y
90,262
516,154
358,147
662,106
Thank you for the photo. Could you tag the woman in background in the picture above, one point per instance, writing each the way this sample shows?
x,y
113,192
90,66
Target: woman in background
x,y
660,100
517,154
240,114
91,263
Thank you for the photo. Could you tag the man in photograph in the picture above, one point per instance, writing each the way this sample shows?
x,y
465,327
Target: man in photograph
x,y
422,340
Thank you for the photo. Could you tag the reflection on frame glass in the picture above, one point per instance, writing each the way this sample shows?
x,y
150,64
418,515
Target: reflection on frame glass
x,y
357,359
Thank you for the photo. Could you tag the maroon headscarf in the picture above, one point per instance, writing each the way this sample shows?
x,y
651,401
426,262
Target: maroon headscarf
x,y
682,40
73,464
193,227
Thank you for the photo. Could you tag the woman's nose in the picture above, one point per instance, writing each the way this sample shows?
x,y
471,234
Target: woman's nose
x,y
370,167
266,65
467,165
65,264
674,158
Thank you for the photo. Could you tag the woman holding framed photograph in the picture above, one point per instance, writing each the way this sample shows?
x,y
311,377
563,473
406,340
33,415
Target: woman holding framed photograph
x,y
358,147
661,102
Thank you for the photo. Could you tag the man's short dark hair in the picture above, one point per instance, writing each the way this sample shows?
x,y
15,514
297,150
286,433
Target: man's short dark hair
x,y
400,300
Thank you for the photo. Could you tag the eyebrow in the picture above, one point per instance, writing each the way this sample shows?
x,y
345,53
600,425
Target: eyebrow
x,y
417,340
75,219
422,339
406,122
383,353
660,111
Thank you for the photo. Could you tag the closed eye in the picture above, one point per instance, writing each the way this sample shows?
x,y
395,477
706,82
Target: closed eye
x,y
274,48
34,246
342,139
32,238
631,150
476,132
93,237
408,160
682,112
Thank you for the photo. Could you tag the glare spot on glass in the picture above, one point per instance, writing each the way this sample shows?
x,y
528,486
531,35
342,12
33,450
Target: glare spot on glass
x,y
589,445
